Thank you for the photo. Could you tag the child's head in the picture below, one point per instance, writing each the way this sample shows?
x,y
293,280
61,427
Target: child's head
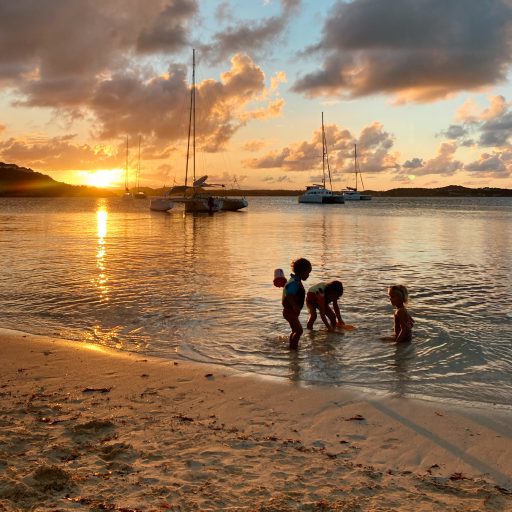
x,y
398,294
333,290
302,268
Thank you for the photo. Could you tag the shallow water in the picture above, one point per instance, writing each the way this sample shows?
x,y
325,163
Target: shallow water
x,y
111,272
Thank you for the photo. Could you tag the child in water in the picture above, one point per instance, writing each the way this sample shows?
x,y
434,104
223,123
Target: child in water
x,y
398,295
319,297
293,299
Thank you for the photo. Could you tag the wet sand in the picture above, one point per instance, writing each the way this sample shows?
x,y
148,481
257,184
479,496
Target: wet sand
x,y
86,428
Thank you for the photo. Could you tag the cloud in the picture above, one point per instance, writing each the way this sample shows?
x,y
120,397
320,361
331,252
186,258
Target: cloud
x,y
415,50
374,152
248,36
158,107
443,164
58,54
60,153
496,165
487,127
254,145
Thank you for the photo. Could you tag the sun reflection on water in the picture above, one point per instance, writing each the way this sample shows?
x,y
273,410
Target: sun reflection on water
x,y
101,253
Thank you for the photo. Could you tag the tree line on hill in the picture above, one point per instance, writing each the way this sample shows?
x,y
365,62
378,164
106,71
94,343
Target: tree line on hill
x,y
18,181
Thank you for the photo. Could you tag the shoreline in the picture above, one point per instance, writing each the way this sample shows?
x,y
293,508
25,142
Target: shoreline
x,y
85,426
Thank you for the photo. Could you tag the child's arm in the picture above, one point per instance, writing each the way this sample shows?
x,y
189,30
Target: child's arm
x,y
337,312
323,315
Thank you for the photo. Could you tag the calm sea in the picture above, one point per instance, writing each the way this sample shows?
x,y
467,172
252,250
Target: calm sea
x,y
111,272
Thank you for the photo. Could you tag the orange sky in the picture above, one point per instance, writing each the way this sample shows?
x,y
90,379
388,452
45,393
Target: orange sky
x,y
422,89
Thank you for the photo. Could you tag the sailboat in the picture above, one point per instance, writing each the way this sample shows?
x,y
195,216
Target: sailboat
x,y
319,194
351,193
127,194
139,194
196,199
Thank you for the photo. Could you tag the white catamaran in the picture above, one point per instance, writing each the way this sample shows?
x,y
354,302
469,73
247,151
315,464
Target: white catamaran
x,y
320,194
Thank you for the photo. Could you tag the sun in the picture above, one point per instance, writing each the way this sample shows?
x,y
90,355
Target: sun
x,y
104,178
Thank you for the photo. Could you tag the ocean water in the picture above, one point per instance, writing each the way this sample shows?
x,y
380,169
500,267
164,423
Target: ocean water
x,y
109,271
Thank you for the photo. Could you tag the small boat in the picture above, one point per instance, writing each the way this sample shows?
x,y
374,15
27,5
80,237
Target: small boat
x,y
160,204
351,193
320,194
127,194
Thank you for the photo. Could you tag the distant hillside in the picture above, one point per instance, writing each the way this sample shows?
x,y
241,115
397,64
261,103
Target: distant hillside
x,y
18,181
449,191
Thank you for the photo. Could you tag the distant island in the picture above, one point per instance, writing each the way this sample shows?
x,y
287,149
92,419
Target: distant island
x,y
18,181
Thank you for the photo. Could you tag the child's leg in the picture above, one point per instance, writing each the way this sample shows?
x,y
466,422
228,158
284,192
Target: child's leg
x,y
296,328
295,337
312,316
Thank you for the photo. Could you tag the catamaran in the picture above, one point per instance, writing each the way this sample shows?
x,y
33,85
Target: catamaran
x,y
318,193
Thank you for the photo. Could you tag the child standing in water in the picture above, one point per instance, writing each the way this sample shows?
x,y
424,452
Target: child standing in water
x,y
398,295
293,299
319,297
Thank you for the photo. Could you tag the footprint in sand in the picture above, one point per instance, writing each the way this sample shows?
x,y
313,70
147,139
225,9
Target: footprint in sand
x,y
92,429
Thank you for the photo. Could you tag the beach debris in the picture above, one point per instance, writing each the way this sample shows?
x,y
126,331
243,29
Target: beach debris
x,y
458,476
96,390
101,505
357,417
439,413
208,375
182,417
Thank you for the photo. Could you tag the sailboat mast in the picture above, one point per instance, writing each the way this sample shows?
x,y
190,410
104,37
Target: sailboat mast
x,y
194,111
323,152
325,156
190,119
138,169
126,168
355,163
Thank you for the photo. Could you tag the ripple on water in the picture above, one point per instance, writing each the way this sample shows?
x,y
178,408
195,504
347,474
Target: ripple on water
x,y
200,287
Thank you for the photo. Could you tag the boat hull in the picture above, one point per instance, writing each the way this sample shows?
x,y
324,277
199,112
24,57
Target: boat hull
x,y
160,204
320,195
232,204
204,204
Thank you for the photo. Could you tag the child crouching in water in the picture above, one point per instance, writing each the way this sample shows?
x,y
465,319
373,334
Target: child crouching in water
x,y
319,297
293,299
398,295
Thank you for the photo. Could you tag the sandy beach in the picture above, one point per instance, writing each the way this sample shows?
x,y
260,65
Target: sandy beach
x,y
86,428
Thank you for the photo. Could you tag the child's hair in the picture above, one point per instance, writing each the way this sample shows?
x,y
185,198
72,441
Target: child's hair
x,y
401,289
334,289
301,265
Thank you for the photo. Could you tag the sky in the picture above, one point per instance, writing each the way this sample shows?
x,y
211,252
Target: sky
x,y
421,87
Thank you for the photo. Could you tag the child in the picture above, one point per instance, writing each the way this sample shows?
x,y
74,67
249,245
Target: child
x,y
293,298
398,296
319,296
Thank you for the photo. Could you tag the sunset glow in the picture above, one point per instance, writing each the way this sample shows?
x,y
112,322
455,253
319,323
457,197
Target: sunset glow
x,y
265,72
103,178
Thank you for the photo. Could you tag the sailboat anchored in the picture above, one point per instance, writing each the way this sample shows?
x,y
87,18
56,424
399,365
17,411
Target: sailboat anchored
x,y
139,194
351,193
319,194
198,201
